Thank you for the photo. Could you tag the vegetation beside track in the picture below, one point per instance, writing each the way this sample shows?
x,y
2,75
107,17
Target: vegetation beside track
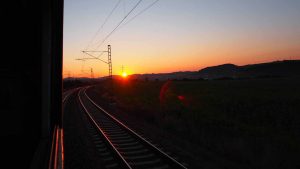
x,y
250,121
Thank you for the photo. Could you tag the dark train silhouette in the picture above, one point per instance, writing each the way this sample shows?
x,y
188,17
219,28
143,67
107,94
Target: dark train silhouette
x,y
30,72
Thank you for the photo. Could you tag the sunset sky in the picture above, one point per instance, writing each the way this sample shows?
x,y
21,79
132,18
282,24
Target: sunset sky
x,y
180,35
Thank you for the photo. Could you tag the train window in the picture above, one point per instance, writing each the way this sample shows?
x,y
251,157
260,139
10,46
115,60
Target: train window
x,y
180,84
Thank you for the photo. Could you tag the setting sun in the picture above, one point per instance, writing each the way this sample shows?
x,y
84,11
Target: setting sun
x,y
124,74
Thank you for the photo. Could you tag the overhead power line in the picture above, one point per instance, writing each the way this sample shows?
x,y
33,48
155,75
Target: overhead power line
x,y
105,21
119,24
138,14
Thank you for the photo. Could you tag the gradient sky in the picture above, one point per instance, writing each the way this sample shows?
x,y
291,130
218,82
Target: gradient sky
x,y
181,35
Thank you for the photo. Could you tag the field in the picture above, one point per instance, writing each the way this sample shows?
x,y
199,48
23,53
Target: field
x,y
254,122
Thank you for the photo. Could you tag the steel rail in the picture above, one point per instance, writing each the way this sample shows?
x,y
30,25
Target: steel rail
x,y
175,162
123,161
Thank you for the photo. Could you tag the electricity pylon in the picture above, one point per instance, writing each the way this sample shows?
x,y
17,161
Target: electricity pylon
x,y
92,73
92,56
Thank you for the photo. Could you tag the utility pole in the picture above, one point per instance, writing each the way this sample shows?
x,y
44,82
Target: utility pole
x,y
109,62
92,73
110,70
92,57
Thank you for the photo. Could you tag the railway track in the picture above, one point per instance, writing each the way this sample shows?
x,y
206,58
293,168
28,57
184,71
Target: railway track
x,y
120,146
56,160
67,94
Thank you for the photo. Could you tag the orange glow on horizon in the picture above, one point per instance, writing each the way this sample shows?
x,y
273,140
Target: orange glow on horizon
x,y
124,74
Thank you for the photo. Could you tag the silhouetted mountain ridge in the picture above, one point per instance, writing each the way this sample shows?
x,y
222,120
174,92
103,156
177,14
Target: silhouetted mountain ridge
x,y
269,69
277,68
225,70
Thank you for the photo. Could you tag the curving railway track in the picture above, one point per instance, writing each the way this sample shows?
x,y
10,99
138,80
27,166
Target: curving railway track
x,y
120,146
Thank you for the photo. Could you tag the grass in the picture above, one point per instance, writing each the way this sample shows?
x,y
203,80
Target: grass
x,y
254,122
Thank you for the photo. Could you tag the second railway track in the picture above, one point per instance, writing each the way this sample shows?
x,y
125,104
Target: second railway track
x,y
126,147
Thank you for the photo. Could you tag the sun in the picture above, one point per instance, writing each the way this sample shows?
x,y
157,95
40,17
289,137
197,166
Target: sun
x,y
124,74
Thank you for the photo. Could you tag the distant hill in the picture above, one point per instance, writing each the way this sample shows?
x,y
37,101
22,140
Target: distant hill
x,y
270,69
277,68
225,70
166,76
